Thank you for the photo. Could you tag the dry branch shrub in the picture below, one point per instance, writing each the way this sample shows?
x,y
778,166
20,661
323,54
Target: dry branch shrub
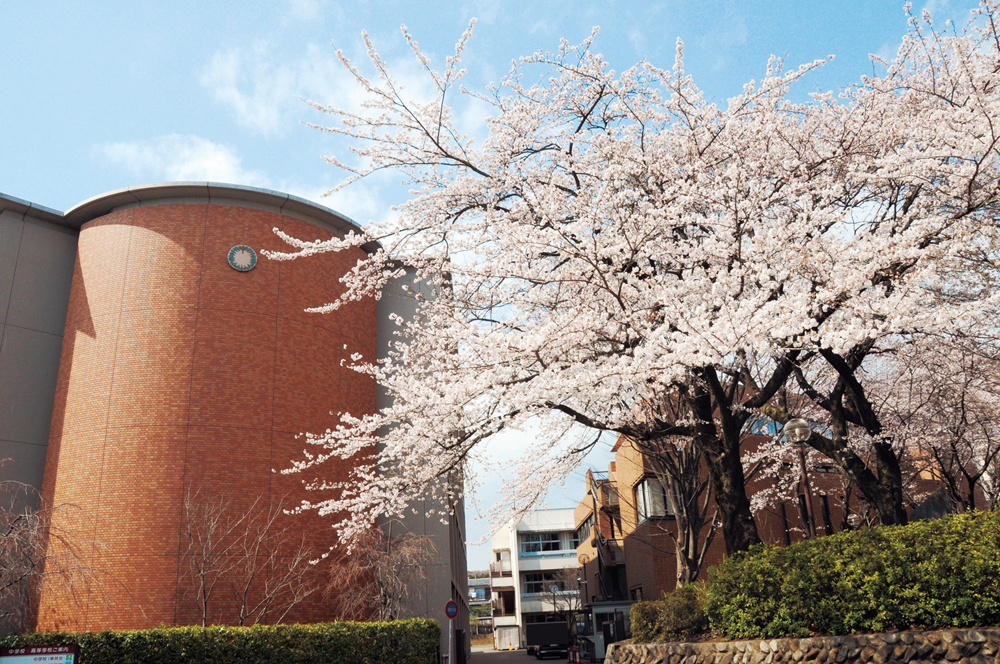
x,y
677,616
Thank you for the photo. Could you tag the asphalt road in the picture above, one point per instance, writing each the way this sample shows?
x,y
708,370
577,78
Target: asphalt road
x,y
490,656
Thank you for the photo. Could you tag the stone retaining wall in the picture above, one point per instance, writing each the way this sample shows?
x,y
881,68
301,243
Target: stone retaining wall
x,y
964,646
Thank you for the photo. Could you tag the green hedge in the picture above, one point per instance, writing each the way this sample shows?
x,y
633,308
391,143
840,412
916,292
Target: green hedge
x,y
677,615
929,574
403,641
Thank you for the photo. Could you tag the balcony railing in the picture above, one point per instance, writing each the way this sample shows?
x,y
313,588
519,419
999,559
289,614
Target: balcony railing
x,y
500,569
605,490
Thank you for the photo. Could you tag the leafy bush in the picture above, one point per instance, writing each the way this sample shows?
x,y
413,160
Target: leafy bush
x,y
324,643
929,574
677,615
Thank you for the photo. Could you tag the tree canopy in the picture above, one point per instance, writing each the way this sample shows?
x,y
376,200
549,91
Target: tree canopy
x,y
617,242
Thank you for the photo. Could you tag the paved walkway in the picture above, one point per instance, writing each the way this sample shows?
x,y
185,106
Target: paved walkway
x,y
487,655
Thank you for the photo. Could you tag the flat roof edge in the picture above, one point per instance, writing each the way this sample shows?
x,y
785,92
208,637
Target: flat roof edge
x,y
102,204
25,208
285,203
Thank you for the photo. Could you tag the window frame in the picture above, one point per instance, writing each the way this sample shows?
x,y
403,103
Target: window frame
x,y
582,533
533,543
647,500
544,583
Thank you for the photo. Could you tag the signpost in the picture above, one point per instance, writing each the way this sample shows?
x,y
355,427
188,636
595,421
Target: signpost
x,y
451,610
39,654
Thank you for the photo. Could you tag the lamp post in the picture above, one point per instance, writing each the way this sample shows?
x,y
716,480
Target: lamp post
x,y
797,431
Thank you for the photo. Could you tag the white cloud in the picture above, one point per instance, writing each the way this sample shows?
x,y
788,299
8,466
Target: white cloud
x,y
177,157
258,91
936,7
943,11
885,52
305,10
265,96
486,11
638,41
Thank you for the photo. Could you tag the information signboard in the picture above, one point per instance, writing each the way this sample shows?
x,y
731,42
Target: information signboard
x,y
40,655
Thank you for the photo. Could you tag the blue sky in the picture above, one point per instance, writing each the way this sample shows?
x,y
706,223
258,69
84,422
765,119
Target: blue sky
x,y
102,95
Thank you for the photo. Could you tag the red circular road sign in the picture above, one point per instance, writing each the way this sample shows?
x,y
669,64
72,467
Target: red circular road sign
x,y
451,609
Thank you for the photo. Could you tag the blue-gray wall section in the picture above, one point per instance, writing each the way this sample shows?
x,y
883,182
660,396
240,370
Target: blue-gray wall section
x,y
446,576
36,272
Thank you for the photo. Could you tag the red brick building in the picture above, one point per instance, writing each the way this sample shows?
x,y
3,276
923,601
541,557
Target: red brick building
x,y
181,373
186,363
626,553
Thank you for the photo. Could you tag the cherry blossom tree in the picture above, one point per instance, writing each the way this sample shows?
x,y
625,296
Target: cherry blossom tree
x,y
616,239
942,399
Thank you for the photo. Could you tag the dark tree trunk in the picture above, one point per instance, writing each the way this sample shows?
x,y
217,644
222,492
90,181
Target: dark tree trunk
x,y
848,403
890,507
722,454
884,492
738,526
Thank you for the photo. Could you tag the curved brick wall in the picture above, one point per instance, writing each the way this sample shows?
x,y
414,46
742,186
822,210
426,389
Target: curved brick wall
x,y
178,371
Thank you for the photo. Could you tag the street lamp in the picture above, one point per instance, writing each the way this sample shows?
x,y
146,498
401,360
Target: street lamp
x,y
797,431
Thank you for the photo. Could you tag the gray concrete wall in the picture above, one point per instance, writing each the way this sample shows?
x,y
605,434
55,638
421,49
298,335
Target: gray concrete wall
x,y
36,270
447,577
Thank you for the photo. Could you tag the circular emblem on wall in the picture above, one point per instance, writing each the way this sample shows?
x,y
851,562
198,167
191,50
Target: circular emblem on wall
x,y
242,258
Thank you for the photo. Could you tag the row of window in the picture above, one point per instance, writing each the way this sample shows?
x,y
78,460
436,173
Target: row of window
x,y
583,532
544,542
650,502
542,582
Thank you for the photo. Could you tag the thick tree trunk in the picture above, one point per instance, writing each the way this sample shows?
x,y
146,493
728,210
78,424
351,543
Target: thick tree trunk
x,y
890,508
738,526
722,454
883,489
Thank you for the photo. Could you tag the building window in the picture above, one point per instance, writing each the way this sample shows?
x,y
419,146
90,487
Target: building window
x,y
540,542
583,532
650,499
636,594
536,618
541,582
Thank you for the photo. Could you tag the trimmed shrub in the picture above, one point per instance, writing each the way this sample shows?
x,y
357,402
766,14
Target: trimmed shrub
x,y
677,615
402,641
929,574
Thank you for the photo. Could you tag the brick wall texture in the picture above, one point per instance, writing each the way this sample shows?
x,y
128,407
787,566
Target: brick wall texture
x,y
180,374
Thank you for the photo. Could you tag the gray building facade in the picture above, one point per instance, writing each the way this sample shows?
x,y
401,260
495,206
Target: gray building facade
x,y
37,252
